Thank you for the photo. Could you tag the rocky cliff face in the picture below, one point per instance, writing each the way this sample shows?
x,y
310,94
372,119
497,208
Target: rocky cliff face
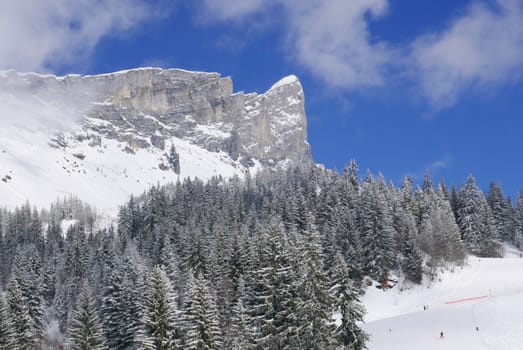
x,y
145,107
106,136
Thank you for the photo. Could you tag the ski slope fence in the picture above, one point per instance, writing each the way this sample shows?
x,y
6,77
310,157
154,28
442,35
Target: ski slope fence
x,y
466,299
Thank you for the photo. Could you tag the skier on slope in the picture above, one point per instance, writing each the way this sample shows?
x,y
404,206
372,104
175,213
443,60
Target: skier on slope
x,y
441,335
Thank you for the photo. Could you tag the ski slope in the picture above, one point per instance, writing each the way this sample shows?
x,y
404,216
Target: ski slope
x,y
486,293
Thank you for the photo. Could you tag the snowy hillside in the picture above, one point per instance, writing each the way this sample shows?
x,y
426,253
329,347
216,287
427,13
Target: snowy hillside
x,y
103,176
486,293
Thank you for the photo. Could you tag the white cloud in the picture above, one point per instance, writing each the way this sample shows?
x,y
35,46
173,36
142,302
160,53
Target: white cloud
x,y
329,38
482,49
223,10
38,35
438,164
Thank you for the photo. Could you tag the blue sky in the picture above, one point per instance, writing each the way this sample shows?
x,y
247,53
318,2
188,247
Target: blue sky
x,y
399,85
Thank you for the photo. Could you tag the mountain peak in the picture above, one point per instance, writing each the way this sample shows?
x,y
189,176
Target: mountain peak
x,y
288,80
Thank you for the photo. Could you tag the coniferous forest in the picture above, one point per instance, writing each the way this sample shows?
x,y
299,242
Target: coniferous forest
x,y
275,261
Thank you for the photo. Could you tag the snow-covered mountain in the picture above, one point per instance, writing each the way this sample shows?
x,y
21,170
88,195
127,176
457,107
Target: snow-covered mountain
x,y
104,137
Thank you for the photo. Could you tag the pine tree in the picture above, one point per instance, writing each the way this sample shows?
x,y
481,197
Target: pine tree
x,y
273,301
347,304
423,201
347,239
412,265
85,330
518,221
240,335
439,234
502,212
71,269
159,313
19,318
450,240
405,225
128,221
315,304
132,289
475,221
201,322
28,270
112,308
6,329
454,202
346,223
377,230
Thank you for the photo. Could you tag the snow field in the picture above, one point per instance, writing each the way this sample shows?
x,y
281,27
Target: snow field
x,y
104,178
396,320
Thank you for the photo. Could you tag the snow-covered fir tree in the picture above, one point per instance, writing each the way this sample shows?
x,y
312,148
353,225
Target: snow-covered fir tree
x,y
20,319
240,333
85,330
6,328
347,305
201,322
475,221
502,212
518,221
377,230
159,313
316,303
27,270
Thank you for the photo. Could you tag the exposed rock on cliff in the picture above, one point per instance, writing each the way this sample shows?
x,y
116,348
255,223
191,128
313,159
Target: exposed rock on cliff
x,y
126,126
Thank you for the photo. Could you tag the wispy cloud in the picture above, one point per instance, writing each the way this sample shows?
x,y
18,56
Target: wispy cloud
x,y
329,38
481,49
231,43
156,63
435,168
233,10
40,35
438,164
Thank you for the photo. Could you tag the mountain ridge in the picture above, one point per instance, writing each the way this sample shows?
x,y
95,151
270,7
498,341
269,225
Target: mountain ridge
x,y
152,125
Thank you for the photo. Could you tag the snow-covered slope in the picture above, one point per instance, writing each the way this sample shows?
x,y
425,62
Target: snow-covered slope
x,y
105,177
486,293
104,137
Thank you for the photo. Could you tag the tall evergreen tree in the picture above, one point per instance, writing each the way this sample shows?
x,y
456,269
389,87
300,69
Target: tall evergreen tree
x,y
347,304
202,325
85,330
315,303
475,221
240,334
19,318
159,314
439,234
274,304
412,265
6,328
112,308
377,230
502,213
518,221
27,270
